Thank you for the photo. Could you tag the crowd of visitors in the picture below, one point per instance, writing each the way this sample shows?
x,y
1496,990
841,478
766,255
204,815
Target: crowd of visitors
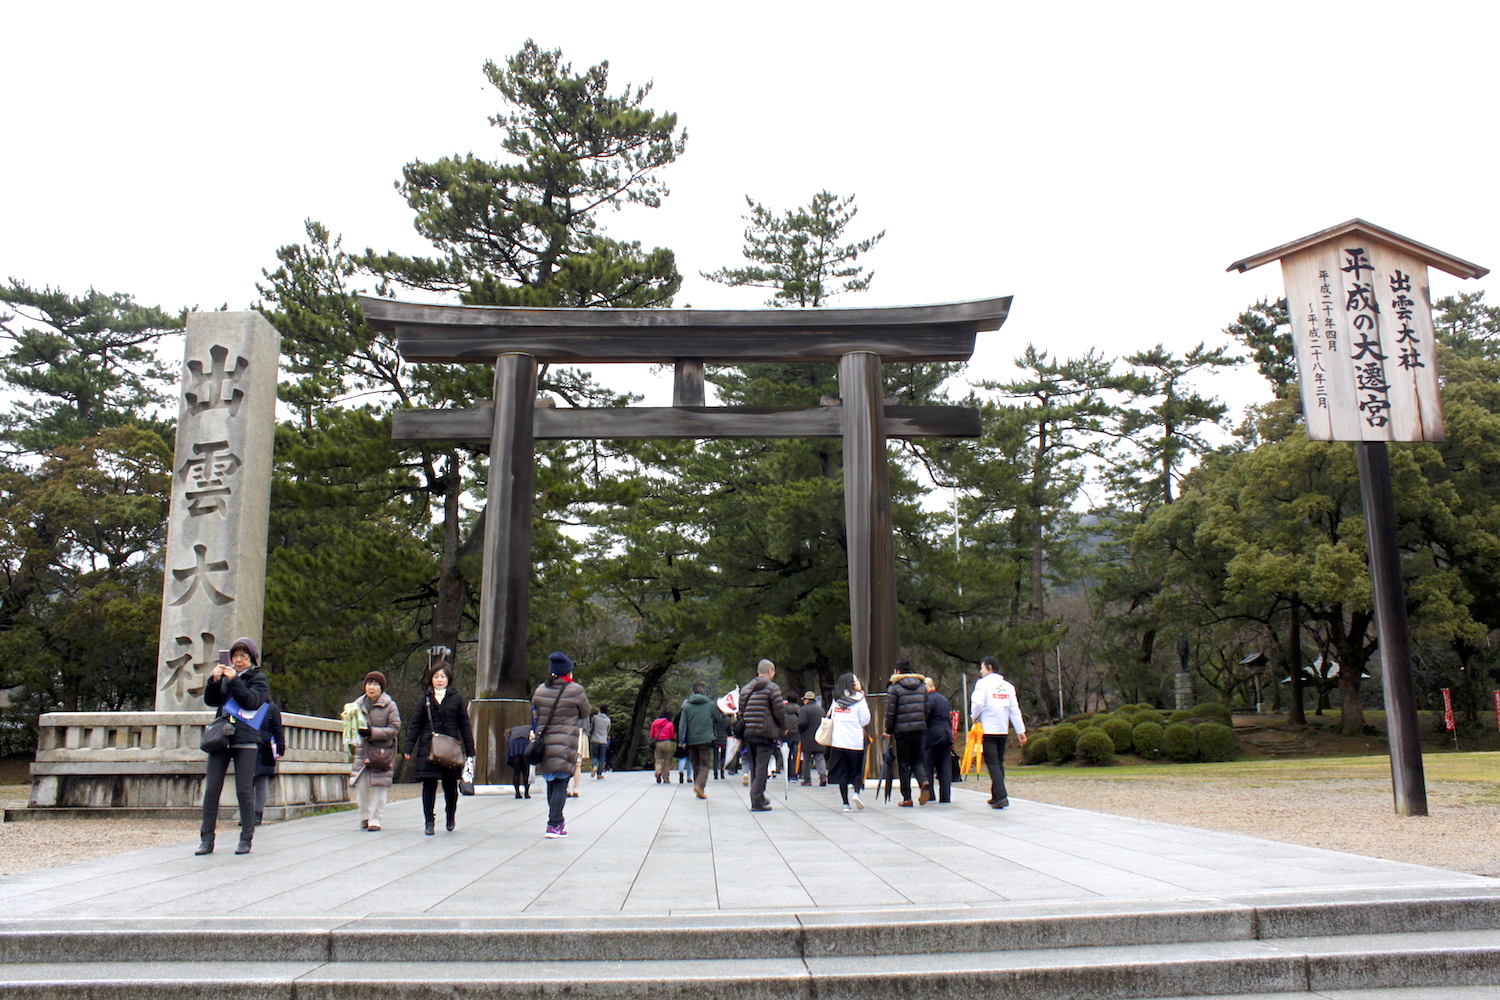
x,y
755,727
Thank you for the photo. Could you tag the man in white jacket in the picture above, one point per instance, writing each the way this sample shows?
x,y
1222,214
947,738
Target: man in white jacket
x,y
994,707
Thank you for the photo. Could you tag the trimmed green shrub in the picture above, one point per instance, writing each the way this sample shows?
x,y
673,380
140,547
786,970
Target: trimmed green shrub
x,y
1118,731
1215,741
1214,711
1062,742
1180,743
1034,751
1095,747
1147,739
1102,718
1181,715
1147,715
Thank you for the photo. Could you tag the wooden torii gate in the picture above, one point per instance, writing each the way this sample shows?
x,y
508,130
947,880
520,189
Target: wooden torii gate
x,y
518,340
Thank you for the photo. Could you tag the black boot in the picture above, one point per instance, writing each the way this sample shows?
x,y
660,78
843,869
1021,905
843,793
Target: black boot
x,y
206,844
450,822
431,827
258,817
244,847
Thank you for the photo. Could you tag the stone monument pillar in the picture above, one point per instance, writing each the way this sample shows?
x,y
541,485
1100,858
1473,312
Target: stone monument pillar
x,y
108,764
214,586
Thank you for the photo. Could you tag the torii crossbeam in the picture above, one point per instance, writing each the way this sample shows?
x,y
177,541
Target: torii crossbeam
x,y
518,340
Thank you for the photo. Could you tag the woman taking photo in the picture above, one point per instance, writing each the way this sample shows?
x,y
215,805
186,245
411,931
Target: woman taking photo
x,y
375,757
850,714
442,710
239,680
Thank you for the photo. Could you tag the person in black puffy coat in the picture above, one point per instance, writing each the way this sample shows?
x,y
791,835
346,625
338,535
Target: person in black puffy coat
x,y
242,681
906,713
442,709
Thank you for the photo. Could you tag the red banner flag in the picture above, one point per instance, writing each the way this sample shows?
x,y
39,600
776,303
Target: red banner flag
x,y
1447,710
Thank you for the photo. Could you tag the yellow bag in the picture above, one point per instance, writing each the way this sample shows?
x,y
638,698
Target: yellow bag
x,y
973,751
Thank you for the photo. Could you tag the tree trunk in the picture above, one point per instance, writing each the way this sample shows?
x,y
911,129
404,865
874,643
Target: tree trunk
x,y
1296,715
650,681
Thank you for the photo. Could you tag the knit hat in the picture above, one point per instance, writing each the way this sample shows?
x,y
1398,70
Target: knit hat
x,y
248,644
377,677
559,664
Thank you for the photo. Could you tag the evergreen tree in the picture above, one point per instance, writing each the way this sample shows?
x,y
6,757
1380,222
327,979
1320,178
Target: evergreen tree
x,y
85,487
525,232
89,364
1265,328
799,254
519,232
80,575
1166,427
1063,413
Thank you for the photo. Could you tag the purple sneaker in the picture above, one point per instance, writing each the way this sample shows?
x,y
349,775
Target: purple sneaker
x,y
553,832
562,830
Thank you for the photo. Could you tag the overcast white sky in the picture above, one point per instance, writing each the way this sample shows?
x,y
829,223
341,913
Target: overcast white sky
x,y
1102,162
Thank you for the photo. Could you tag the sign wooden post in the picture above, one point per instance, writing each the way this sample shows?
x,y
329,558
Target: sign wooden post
x,y
1361,315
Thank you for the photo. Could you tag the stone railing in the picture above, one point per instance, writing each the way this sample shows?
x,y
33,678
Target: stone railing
x,y
119,736
150,762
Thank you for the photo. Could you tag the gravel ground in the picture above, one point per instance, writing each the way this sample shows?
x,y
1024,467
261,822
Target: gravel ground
x,y
1353,816
1357,817
33,844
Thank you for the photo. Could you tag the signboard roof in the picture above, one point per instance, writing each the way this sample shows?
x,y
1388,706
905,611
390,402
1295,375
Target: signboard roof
x,y
1359,228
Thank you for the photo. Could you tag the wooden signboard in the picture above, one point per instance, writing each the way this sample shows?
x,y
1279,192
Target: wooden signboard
x,y
1361,315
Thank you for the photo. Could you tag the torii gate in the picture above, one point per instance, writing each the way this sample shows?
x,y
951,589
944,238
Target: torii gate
x,y
518,340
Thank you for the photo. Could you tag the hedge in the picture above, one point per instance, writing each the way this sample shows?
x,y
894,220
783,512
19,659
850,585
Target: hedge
x,y
1095,747
1215,742
1118,731
1147,738
1062,741
1180,743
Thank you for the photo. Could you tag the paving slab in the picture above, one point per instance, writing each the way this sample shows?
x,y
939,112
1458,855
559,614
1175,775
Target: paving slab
x,y
641,849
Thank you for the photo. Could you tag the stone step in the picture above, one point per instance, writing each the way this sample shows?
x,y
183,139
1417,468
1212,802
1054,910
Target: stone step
x,y
1002,928
1279,966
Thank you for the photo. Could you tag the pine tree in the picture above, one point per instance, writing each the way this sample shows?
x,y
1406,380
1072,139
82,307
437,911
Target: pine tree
x,y
799,254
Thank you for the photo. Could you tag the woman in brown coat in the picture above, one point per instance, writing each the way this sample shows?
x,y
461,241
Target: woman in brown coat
x,y
559,710
375,757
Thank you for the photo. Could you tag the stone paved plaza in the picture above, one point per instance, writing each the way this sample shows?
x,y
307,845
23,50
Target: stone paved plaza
x,y
637,848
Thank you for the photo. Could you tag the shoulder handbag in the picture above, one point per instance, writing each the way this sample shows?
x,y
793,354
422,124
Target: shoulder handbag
x,y
536,750
445,751
824,736
380,758
217,735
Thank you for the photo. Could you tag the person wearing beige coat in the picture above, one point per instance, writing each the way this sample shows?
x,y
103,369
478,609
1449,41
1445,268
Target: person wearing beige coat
x,y
375,757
